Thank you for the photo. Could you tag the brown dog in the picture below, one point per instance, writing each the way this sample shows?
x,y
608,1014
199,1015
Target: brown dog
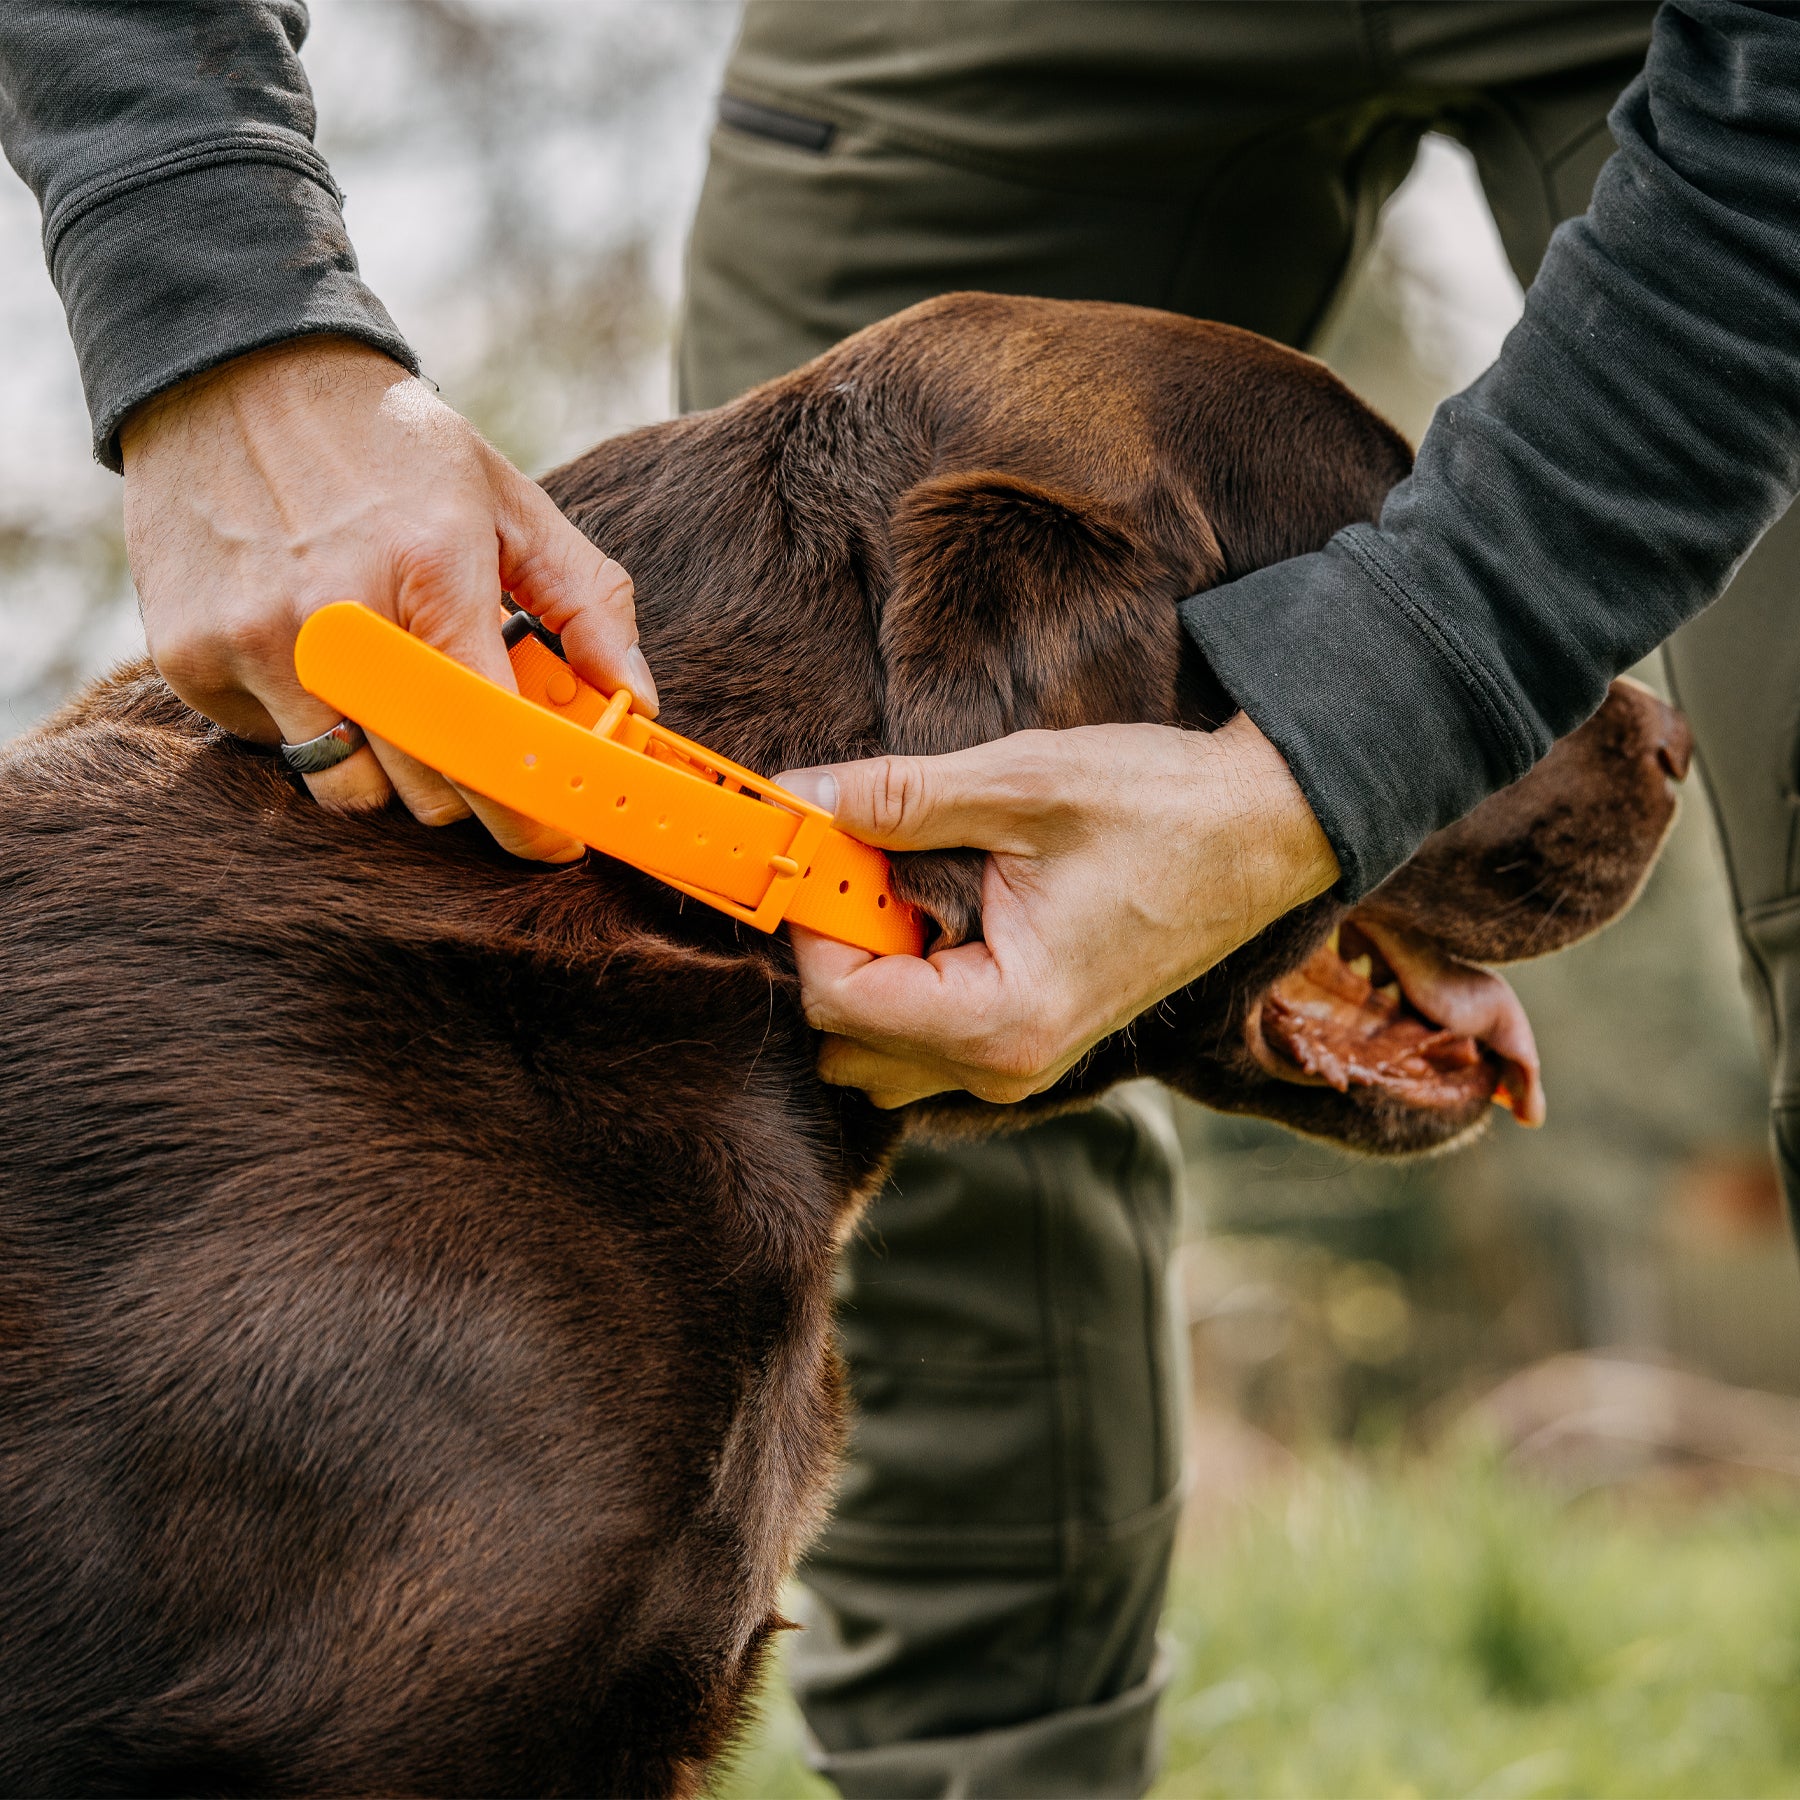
x,y
415,1367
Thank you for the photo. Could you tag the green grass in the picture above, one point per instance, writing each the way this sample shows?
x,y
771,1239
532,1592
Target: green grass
x,y
1436,1631
1452,1632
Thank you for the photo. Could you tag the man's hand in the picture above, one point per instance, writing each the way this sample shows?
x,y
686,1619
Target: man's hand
x,y
1124,861
319,470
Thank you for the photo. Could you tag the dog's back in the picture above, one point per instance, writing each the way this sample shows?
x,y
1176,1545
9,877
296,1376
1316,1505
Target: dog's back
x,y
381,1409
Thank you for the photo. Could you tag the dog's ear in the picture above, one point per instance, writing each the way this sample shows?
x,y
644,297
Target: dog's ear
x,y
1014,605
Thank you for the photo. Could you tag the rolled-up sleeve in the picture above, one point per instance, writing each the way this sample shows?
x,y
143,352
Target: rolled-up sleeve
x,y
188,216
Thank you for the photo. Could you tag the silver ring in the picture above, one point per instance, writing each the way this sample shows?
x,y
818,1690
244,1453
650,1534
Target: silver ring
x,y
326,750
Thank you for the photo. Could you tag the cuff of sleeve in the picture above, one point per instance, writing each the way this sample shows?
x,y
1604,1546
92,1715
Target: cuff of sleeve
x,y
1390,727
191,269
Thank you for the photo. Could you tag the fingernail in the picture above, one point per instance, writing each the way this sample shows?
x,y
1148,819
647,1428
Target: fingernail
x,y
818,787
639,679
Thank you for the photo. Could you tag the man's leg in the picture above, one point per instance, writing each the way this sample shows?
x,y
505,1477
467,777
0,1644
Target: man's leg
x,y
1735,672
983,1607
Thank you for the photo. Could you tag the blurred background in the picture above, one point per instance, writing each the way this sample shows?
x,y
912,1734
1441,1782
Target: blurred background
x,y
1496,1455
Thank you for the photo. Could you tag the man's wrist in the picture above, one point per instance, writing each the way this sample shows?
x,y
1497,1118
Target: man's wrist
x,y
1296,861
314,362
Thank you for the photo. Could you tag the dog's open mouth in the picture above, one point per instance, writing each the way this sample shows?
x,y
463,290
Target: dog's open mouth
x,y
1382,1008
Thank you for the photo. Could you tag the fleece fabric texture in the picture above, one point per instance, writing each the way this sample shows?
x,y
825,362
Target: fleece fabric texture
x,y
1591,492
187,216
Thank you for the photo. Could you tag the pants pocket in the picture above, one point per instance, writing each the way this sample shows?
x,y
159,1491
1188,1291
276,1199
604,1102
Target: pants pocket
x,y
757,120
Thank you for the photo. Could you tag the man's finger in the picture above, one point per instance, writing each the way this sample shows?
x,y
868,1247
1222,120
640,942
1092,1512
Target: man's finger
x,y
357,784
577,590
423,792
821,960
892,1080
957,1000
889,1081
521,836
981,799
889,1078
452,601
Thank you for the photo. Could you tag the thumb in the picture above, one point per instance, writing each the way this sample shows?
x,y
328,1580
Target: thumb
x,y
968,798
578,591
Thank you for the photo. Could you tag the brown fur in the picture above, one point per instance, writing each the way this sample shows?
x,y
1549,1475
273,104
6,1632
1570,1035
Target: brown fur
x,y
415,1363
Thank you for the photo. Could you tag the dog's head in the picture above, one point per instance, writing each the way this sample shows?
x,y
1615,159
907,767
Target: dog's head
x,y
979,516
1384,1026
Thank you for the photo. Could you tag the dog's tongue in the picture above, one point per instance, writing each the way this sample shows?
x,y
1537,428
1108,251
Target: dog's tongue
x,y
1470,1001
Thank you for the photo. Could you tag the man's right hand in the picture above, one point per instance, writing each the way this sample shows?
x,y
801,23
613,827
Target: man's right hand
x,y
319,470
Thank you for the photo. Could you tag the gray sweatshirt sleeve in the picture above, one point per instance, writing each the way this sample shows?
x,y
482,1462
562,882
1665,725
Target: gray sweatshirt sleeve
x,y
187,215
1592,491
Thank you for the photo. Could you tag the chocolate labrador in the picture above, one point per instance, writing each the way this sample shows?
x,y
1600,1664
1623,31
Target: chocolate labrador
x,y
415,1265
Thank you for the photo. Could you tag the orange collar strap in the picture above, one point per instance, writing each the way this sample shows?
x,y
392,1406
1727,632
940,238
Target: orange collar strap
x,y
562,753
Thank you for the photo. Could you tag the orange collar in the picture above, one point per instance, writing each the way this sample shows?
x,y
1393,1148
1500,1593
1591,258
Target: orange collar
x,y
562,753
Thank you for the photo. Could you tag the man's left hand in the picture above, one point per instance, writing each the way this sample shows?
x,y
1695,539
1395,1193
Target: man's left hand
x,y
1123,862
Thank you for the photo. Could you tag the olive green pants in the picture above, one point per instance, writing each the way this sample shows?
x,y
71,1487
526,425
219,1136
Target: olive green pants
x,y
983,1608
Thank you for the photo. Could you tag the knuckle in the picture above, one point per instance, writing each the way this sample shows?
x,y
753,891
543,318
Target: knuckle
x,y
616,579
438,810
244,637
1042,772
526,560
509,484
429,556
600,622
188,657
897,799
